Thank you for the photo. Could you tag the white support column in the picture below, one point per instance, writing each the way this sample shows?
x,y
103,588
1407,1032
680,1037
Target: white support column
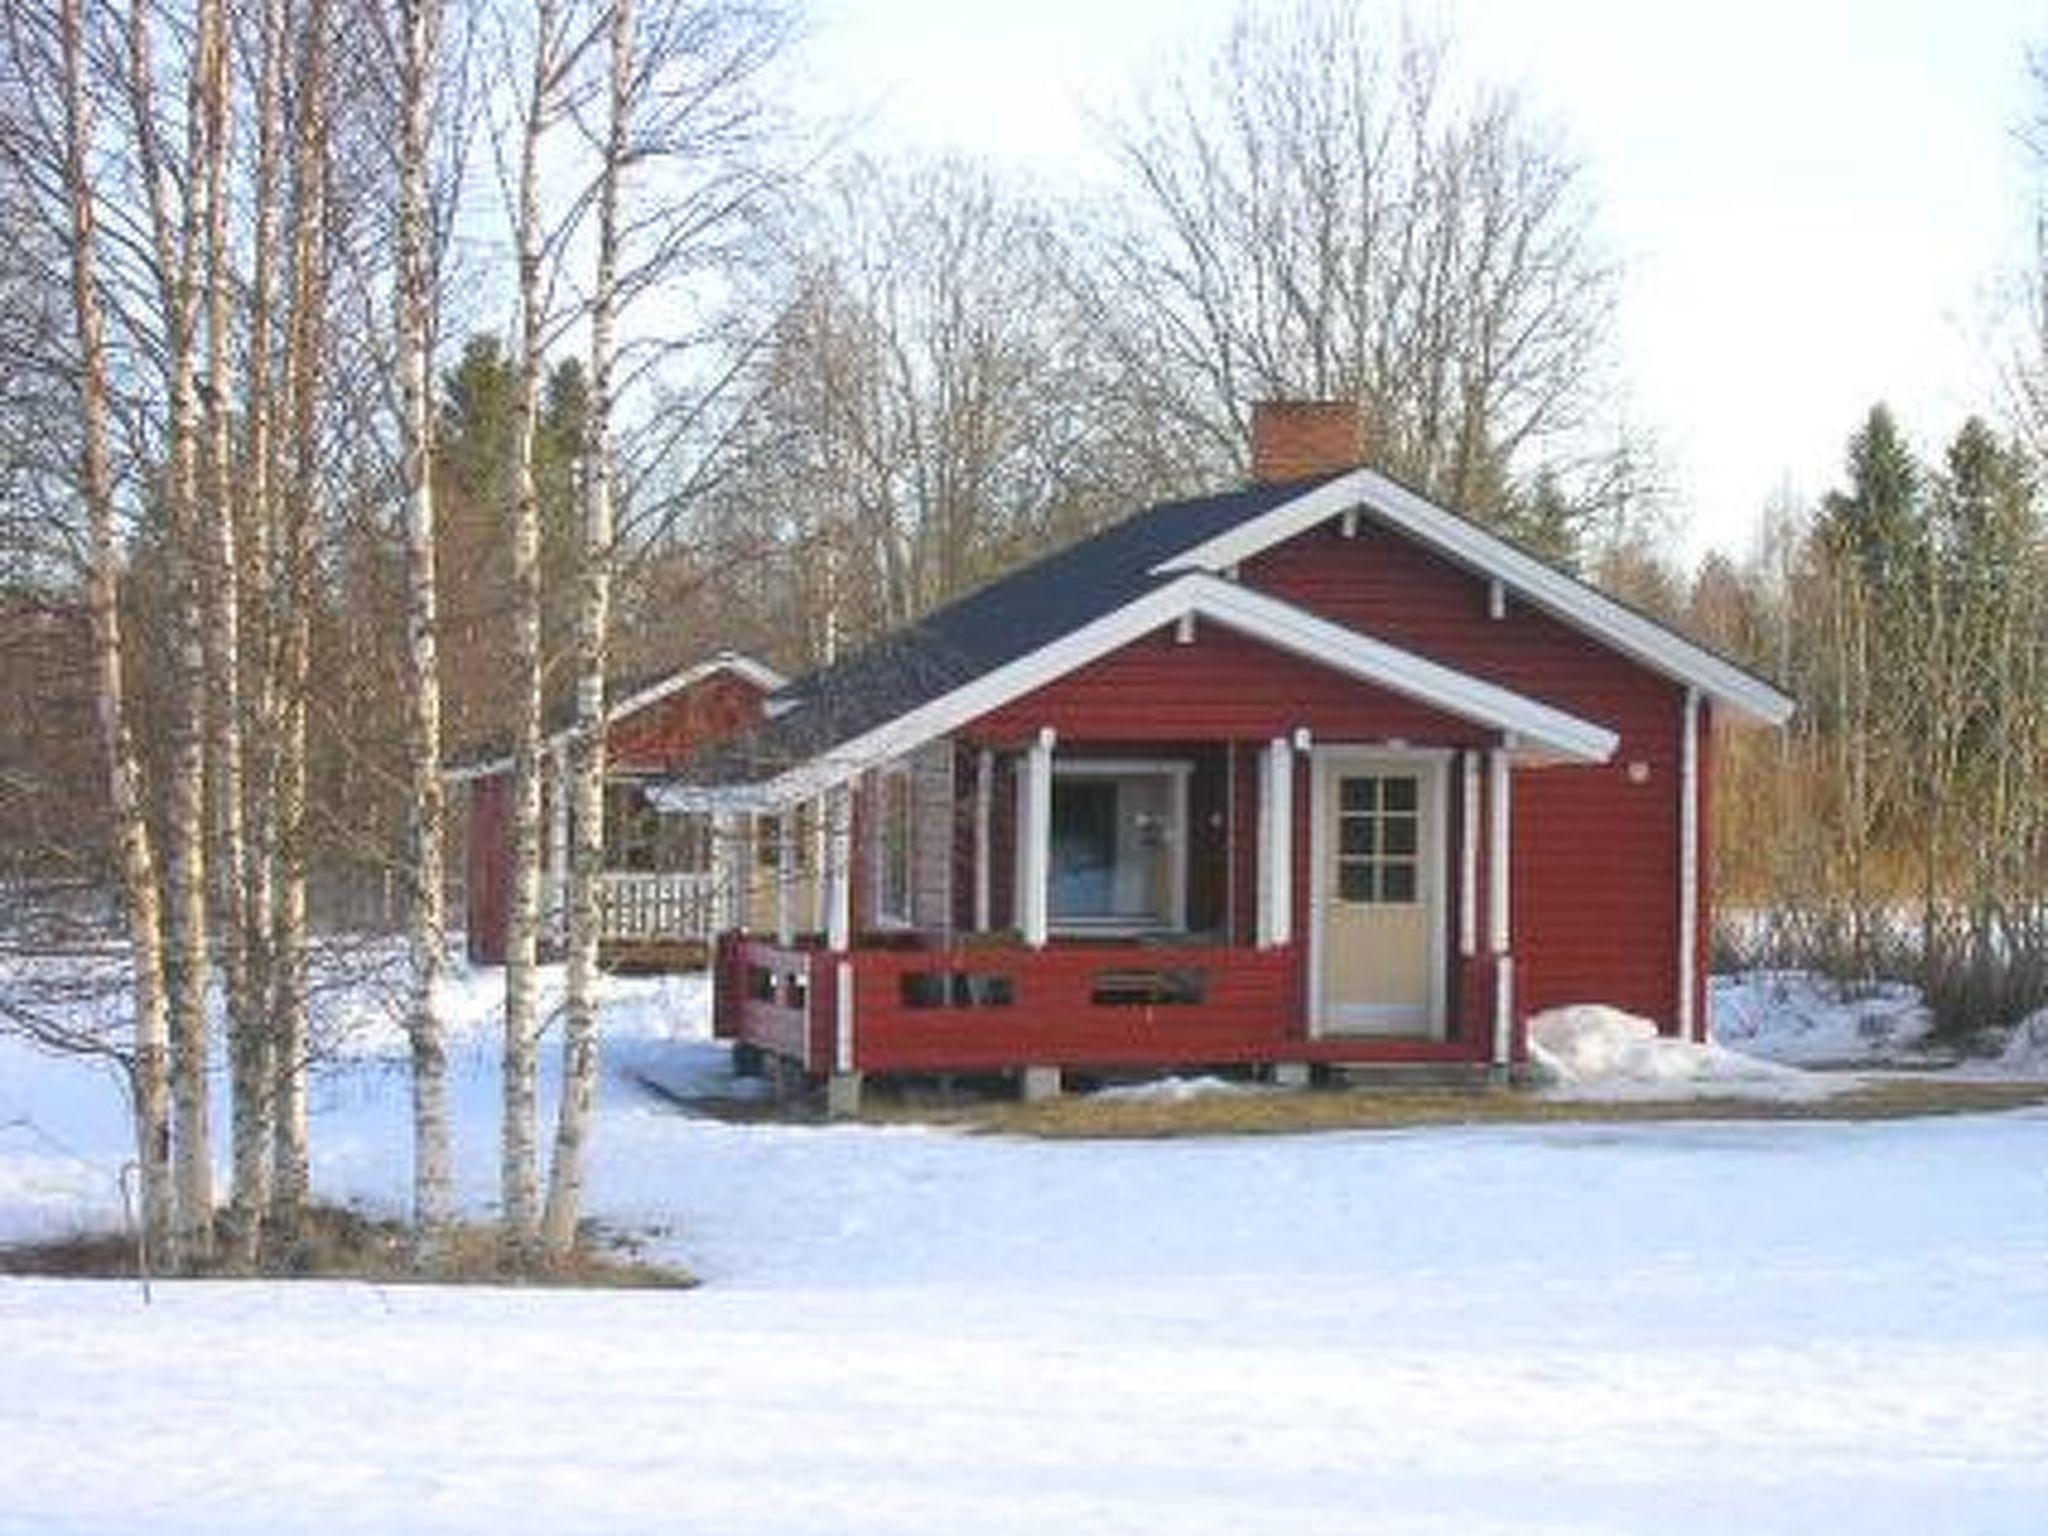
x,y
1034,853
558,844
785,877
1468,856
984,810
1276,844
1689,868
838,870
821,860
1499,875
842,1020
725,905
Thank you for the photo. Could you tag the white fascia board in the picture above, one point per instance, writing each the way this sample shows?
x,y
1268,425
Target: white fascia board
x,y
470,772
1550,732
763,677
1471,546
1544,733
672,797
1154,609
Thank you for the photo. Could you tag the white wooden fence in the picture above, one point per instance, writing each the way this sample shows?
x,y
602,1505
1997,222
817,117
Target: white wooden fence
x,y
650,906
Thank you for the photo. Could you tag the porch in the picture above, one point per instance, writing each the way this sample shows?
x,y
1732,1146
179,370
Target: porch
x,y
1075,1005
1106,904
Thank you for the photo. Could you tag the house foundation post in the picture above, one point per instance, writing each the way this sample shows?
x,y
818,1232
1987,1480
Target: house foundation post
x,y
842,1095
1035,1085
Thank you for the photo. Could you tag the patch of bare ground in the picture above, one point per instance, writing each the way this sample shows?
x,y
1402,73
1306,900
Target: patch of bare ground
x,y
343,1244
1280,1113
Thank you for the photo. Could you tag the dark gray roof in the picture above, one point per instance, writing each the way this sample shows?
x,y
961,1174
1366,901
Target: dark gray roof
x,y
1009,618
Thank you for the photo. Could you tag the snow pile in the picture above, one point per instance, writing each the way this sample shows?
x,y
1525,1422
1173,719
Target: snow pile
x,y
1593,1051
1173,1090
2026,1048
1805,1020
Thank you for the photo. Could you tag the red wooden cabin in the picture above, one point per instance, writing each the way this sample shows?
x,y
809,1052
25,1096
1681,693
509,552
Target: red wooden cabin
x,y
1311,772
658,894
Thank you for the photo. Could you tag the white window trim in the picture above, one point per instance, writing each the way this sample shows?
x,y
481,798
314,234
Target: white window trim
x,y
1322,760
881,916
1180,771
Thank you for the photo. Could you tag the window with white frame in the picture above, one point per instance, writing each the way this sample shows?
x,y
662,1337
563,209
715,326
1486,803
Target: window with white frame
x,y
1119,846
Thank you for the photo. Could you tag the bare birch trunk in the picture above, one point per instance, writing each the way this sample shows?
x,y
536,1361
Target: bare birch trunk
x,y
176,239
251,1038
432,1180
293,594
593,627
520,1191
150,1071
223,616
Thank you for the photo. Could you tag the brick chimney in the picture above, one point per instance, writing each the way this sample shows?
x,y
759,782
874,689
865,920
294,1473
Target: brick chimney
x,y
1292,439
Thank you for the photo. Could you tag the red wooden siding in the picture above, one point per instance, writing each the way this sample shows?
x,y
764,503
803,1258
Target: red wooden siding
x,y
668,730
1219,686
1595,854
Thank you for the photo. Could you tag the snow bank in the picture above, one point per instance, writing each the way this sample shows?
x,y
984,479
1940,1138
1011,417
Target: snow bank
x,y
1593,1051
2026,1049
1173,1090
1801,1019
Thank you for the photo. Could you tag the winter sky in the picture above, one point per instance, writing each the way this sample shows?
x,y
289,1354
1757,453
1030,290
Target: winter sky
x,y
1815,204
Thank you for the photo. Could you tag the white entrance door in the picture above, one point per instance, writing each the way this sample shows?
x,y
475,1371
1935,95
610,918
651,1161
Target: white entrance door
x,y
1379,825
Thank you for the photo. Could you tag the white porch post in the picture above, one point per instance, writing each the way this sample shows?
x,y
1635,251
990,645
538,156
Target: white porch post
x,y
785,876
984,808
1034,851
821,860
838,870
1468,856
725,904
1689,869
1276,844
558,842
843,1088
1498,876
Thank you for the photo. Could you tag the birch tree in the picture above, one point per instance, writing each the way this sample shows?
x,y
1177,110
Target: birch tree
x,y
1324,212
551,57
413,301
149,1071
683,113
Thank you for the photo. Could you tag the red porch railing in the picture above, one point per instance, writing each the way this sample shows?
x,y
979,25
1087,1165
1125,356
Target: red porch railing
x,y
987,1008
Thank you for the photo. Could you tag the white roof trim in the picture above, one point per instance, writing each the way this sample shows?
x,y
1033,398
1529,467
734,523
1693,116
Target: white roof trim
x,y
757,673
1540,732
1471,546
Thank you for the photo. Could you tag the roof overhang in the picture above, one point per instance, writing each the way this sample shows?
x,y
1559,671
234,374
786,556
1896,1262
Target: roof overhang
x,y
764,677
1536,732
1732,689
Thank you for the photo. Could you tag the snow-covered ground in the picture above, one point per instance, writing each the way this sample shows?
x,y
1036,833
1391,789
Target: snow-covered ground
x,y
1673,1328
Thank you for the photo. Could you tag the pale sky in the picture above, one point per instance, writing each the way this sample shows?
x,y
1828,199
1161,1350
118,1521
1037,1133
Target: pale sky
x,y
1813,202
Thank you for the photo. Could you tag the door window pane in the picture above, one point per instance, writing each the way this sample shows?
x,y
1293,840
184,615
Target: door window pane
x,y
1379,836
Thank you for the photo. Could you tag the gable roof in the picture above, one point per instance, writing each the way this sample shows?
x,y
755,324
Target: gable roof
x,y
625,699
1486,554
1131,577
